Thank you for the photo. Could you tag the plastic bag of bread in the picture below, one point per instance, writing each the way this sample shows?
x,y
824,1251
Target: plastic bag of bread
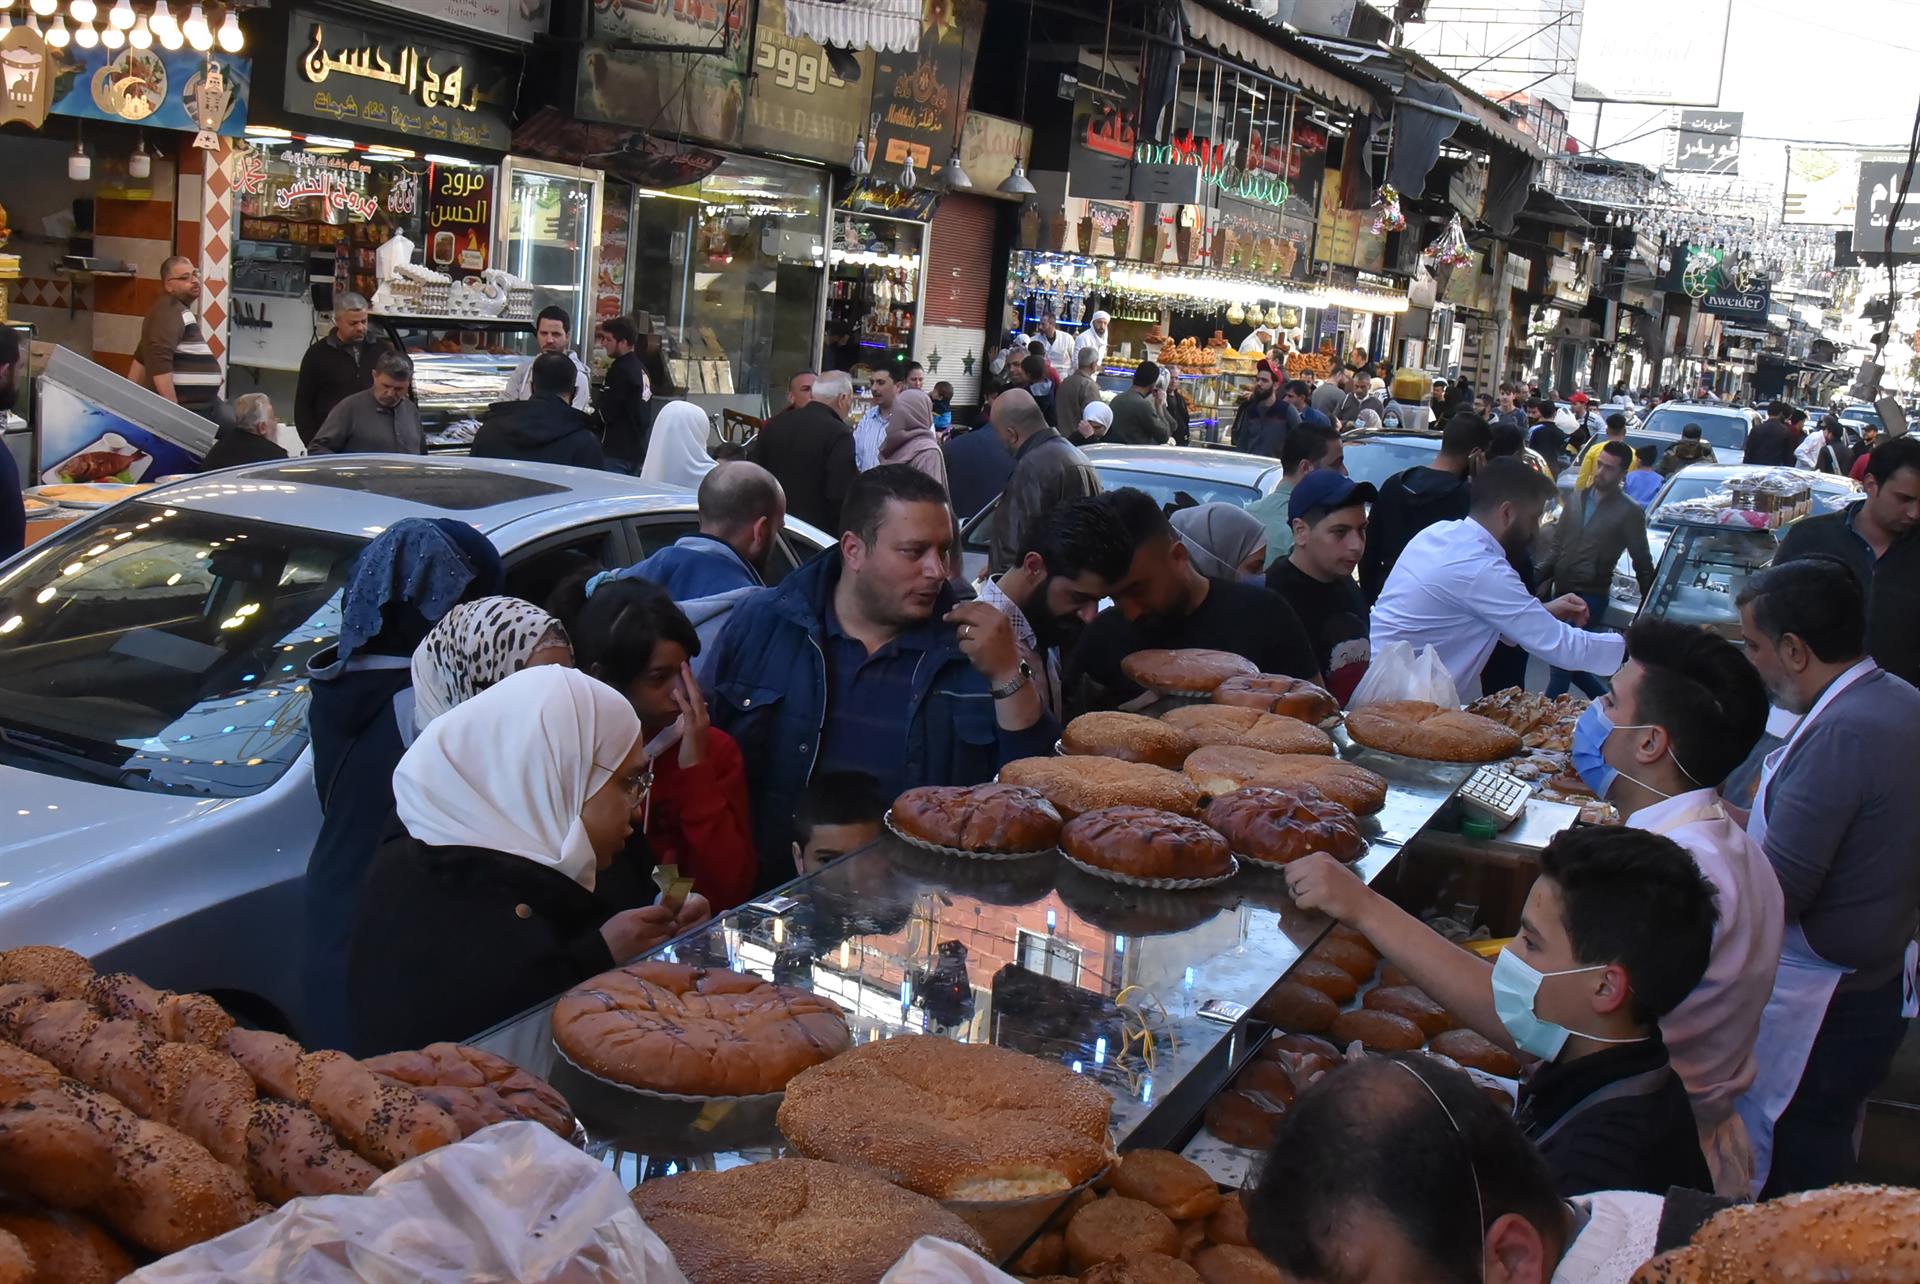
x,y
511,1202
941,1261
1396,673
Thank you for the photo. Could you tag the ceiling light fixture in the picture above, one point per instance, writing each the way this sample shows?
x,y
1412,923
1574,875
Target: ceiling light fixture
x,y
45,8
196,30
141,37
112,37
79,164
140,164
1016,184
85,36
122,15
58,37
82,11
231,38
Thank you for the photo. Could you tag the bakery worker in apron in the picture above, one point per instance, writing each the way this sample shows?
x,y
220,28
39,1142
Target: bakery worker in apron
x,y
1685,711
1838,815
1615,932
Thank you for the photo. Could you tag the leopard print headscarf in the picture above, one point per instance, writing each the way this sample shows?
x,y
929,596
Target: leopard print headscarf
x,y
474,646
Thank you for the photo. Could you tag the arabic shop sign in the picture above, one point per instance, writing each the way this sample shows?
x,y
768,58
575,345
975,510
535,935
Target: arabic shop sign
x,y
368,77
1709,142
799,106
1880,183
920,96
459,218
339,183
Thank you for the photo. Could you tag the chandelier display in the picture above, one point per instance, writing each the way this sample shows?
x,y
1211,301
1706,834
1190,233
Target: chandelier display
x,y
122,23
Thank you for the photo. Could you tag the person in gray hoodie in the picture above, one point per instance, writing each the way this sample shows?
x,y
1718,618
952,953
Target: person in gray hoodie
x,y
742,510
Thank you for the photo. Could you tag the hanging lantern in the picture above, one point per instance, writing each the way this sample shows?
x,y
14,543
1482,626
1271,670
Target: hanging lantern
x,y
1450,248
1386,214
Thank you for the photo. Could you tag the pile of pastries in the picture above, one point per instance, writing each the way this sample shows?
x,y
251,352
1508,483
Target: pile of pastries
x,y
1188,354
1545,759
139,1121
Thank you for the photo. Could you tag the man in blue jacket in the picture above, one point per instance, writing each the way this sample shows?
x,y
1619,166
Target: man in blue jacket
x,y
864,660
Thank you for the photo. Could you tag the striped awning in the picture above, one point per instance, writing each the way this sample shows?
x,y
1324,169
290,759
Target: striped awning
x,y
1229,37
889,26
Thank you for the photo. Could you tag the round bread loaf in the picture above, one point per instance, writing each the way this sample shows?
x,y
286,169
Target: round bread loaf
x,y
668,1027
1270,1079
1114,1226
1130,737
1278,693
65,1248
1330,979
1185,671
1229,1225
1851,1232
1476,1052
978,818
1293,1006
1172,1183
1274,825
1377,1031
1221,769
1142,1268
1341,932
1227,724
1142,842
1416,729
951,1120
1235,1264
1047,1255
791,1221
1355,960
1081,784
477,1088
1415,1005
1244,1119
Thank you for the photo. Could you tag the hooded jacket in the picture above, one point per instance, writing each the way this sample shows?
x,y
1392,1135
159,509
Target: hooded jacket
x,y
1410,501
542,429
706,579
769,692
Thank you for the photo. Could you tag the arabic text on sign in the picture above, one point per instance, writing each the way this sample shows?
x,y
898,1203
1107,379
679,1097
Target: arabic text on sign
x,y
414,72
328,189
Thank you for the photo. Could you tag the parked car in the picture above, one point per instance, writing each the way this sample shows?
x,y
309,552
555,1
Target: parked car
x,y
1830,494
155,774
1724,428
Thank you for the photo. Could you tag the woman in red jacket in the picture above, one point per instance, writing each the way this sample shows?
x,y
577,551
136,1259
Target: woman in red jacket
x,y
630,635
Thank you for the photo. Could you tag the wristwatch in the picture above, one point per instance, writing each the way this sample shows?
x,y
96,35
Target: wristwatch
x,y
1014,687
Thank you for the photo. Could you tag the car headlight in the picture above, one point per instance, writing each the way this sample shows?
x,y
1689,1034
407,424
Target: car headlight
x,y
1624,588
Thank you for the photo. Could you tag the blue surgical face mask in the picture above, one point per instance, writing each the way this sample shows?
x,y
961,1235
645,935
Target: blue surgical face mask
x,y
1516,984
1589,742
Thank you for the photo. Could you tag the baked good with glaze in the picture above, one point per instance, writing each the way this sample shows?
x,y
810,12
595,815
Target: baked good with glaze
x,y
59,970
952,1120
1185,670
1278,693
1078,784
291,1153
1242,1118
979,818
1275,825
1415,1004
1142,1268
1355,960
706,1032
64,1249
382,1121
477,1088
1330,979
1130,737
1114,1226
1226,724
1341,932
1291,1005
1221,769
1854,1232
1377,1031
1172,1183
1141,842
1476,1052
1229,1224
791,1221
1268,1078
1417,729
1046,1255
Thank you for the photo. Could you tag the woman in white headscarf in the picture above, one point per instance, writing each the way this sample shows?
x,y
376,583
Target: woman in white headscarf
x,y
485,906
1224,541
677,446
477,644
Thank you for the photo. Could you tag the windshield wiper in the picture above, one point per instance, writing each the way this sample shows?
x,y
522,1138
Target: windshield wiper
x,y
88,764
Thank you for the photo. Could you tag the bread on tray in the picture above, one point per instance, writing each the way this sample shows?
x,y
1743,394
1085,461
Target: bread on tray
x,y
1189,671
1130,737
1142,842
1081,784
1416,729
990,818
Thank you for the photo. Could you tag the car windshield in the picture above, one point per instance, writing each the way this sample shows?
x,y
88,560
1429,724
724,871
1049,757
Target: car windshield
x,y
1720,429
166,650
1376,459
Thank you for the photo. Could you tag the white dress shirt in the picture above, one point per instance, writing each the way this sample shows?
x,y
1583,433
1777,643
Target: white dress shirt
x,y
520,387
867,436
1454,589
1060,350
1090,339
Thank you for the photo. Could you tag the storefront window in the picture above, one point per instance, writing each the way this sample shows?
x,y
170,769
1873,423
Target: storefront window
x,y
730,268
549,240
873,292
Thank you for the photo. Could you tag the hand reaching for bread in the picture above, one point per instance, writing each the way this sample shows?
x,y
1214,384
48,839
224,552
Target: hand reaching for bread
x,y
1319,882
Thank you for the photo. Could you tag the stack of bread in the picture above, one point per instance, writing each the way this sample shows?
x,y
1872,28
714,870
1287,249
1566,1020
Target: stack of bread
x,y
1159,1219
1545,728
142,1118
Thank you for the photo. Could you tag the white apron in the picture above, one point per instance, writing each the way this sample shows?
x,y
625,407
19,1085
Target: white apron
x,y
1725,1143
1802,988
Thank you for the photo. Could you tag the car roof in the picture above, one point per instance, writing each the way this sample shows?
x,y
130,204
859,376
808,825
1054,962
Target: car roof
x,y
1702,408
1722,472
1184,461
363,494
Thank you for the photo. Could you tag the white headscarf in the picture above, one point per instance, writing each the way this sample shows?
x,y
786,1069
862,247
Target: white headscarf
x,y
510,769
475,645
677,447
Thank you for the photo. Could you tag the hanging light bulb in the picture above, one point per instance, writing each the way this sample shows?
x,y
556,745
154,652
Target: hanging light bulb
x,y
82,10
45,8
168,36
196,30
112,37
141,37
231,38
6,20
58,37
79,164
122,15
85,36
140,164
1666,263
162,18
957,178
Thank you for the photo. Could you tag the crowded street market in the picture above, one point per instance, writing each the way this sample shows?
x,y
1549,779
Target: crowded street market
x,y
857,641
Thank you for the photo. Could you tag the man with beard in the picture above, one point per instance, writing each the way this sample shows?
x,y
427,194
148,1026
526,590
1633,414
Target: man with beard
x,y
13,510
864,660
1455,589
1165,602
1068,561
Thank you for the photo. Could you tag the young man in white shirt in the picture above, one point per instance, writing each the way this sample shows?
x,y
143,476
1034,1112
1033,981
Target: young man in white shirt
x,y
1060,346
872,428
1454,587
550,329
1685,711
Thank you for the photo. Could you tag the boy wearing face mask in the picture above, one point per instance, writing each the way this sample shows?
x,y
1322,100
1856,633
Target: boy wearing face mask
x,y
1685,711
1615,933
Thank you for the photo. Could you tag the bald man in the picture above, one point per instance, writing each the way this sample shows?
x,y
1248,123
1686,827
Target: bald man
x,y
1048,471
742,511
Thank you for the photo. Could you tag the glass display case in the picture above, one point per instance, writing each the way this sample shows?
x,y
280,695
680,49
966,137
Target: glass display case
x,y
550,238
874,286
1212,398
1702,572
453,390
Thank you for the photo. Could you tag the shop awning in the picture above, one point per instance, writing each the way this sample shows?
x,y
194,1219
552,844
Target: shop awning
x,y
1229,37
890,26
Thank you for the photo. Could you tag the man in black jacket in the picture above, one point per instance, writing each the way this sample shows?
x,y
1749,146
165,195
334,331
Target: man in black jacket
x,y
250,440
1771,443
810,450
545,428
1048,472
337,366
1260,425
626,399
1417,497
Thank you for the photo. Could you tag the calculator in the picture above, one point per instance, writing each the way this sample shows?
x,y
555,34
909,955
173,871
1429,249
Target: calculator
x,y
1495,795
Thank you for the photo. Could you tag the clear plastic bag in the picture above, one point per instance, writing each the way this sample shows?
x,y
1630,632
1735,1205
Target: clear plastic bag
x,y
1398,674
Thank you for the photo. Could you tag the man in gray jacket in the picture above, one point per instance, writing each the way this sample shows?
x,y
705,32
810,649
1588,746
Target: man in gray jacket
x,y
1048,472
1140,414
1594,529
1077,390
377,420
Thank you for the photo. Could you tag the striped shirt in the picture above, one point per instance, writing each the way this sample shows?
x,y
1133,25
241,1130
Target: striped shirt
x,y
172,343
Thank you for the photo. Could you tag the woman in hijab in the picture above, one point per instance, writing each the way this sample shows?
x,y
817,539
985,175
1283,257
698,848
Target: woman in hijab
x,y
677,448
478,644
361,719
1224,541
910,438
484,906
